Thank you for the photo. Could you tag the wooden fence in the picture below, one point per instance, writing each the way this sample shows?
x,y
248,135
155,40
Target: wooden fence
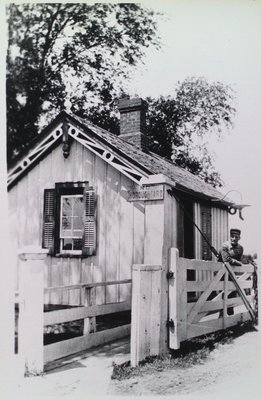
x,y
90,337
68,329
198,307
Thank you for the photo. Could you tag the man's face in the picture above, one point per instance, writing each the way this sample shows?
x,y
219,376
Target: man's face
x,y
234,238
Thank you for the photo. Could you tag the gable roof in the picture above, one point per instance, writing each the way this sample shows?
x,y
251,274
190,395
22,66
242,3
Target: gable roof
x,y
127,158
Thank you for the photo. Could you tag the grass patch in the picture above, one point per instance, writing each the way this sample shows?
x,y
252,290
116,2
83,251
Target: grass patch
x,y
191,352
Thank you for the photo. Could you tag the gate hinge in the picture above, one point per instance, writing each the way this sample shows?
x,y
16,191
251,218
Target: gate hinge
x,y
170,275
170,323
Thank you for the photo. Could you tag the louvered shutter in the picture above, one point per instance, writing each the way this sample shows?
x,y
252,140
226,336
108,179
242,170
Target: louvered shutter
x,y
206,228
89,237
49,219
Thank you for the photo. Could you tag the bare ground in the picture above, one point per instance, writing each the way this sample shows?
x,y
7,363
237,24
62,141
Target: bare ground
x,y
231,370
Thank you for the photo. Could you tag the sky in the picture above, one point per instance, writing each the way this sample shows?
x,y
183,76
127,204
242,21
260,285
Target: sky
x,y
221,41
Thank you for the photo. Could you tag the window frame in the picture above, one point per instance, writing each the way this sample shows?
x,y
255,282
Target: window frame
x,y
52,238
62,237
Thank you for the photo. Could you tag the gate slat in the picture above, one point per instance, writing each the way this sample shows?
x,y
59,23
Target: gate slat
x,y
201,286
215,305
202,328
205,295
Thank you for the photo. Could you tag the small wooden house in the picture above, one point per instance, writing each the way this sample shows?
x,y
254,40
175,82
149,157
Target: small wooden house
x,y
100,203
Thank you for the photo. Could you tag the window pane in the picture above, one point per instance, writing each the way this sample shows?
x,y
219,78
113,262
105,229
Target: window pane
x,y
67,244
67,206
66,223
77,244
78,223
78,207
71,225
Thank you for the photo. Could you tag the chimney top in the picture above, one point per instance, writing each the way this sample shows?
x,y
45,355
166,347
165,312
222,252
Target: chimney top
x,y
136,103
133,121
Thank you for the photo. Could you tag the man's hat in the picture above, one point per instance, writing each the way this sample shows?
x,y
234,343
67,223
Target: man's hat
x,y
234,230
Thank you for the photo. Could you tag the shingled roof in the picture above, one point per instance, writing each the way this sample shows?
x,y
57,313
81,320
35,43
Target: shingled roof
x,y
156,164
148,162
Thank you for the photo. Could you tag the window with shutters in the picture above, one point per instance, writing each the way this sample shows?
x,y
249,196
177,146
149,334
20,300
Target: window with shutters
x,y
69,225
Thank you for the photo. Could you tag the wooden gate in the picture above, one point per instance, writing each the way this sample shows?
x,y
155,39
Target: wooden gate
x,y
198,307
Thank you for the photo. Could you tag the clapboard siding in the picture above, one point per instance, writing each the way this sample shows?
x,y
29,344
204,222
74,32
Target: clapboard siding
x,y
120,224
197,236
126,249
219,227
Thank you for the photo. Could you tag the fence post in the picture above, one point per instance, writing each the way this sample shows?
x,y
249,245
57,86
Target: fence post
x,y
146,312
31,309
174,299
90,322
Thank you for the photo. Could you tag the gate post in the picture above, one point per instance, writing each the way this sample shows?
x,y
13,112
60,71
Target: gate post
x,y
31,309
177,301
146,312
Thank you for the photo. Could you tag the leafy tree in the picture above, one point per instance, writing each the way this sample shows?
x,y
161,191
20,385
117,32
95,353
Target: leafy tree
x,y
57,49
181,126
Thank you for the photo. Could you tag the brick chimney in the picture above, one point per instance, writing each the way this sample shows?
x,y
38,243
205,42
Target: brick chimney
x,y
133,122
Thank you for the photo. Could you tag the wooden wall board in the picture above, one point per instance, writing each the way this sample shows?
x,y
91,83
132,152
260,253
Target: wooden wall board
x,y
126,239
112,231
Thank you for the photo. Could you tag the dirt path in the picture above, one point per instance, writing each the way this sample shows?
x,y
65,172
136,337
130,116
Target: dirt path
x,y
232,370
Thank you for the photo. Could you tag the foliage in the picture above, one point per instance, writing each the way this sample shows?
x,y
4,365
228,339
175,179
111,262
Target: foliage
x,y
181,126
56,49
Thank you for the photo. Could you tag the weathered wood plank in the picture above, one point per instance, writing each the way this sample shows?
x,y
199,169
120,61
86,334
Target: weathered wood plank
x,y
55,297
88,165
155,314
112,230
67,347
202,328
75,272
154,223
244,268
146,312
225,299
65,279
201,265
192,286
90,322
125,239
197,236
22,209
33,204
57,166
138,232
180,297
100,184
77,157
87,285
72,314
212,286
215,305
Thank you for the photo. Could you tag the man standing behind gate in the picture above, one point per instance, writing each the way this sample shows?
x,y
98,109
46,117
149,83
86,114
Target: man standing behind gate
x,y
232,252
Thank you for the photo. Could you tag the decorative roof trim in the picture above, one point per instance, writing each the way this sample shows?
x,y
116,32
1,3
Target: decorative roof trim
x,y
77,134
108,156
35,154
